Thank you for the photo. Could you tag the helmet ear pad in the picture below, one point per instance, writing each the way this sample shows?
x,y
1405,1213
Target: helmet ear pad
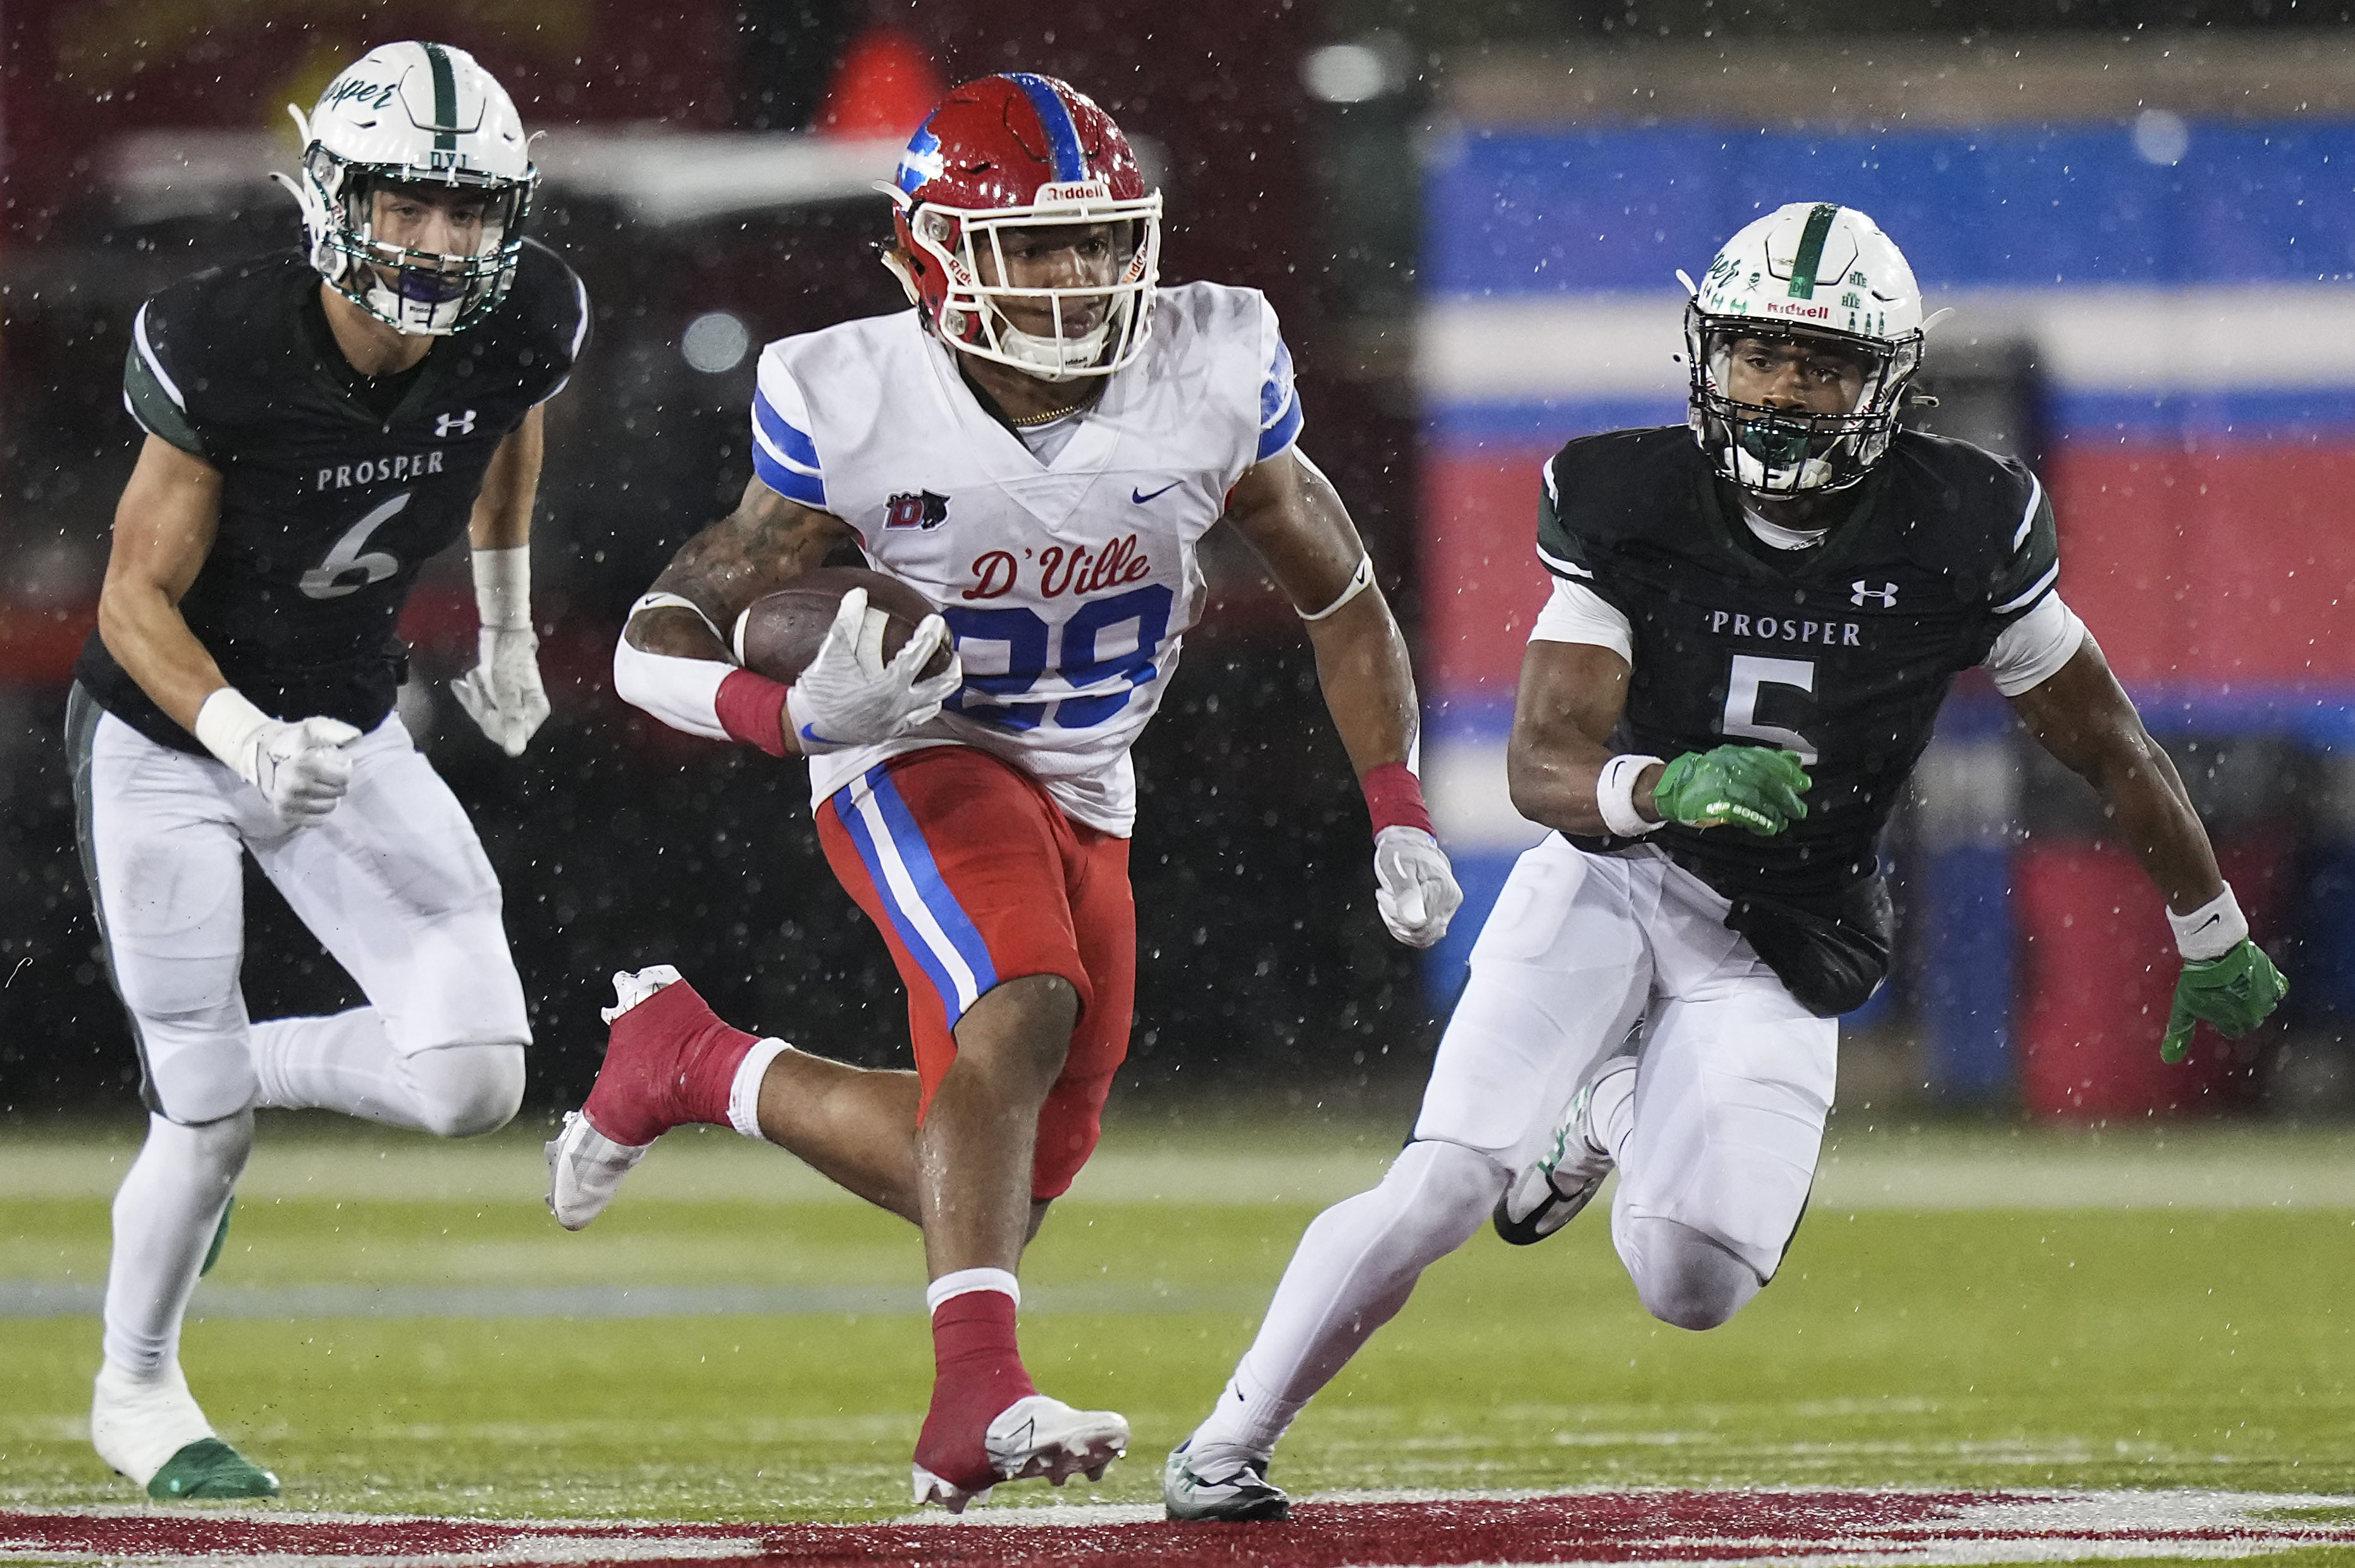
x,y
921,261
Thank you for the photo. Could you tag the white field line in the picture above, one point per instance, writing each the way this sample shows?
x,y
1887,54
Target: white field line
x,y
1311,1160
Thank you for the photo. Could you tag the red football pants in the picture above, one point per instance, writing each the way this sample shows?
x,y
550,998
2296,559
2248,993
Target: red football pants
x,y
975,877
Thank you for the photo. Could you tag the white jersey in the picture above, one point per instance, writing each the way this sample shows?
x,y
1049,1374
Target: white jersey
x,y
1069,585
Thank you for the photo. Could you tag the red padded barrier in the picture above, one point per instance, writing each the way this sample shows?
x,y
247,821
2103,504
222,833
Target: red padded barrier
x,y
2097,972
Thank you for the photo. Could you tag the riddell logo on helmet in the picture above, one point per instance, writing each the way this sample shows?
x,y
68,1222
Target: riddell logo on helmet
x,y
1077,190
1808,311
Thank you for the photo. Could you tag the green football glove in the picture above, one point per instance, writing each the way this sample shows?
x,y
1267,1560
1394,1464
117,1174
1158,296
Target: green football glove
x,y
2235,993
1751,786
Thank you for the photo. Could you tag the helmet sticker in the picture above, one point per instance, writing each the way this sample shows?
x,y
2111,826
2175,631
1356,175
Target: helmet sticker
x,y
1811,250
923,160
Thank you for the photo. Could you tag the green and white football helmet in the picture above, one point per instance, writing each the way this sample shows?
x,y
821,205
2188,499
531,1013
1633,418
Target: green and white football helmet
x,y
416,115
1810,272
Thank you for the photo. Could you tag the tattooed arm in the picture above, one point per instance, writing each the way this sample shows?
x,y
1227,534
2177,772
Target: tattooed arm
x,y
754,550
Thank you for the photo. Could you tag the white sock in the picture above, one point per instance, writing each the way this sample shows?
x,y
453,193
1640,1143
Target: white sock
x,y
138,1423
346,1061
744,1089
1611,1113
1352,1272
965,1281
165,1213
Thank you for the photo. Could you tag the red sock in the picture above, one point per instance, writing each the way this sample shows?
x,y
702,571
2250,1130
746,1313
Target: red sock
x,y
977,1372
671,1061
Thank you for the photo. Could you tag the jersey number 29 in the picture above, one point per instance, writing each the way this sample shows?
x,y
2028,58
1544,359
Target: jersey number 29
x,y
1029,647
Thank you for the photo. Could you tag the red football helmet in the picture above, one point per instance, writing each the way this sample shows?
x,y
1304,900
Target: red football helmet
x,y
1023,151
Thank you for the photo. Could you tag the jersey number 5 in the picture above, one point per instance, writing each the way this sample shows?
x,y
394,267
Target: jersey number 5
x,y
991,697
1749,676
346,569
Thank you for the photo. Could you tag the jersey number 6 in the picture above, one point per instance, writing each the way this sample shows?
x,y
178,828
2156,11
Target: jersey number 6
x,y
346,569
1029,640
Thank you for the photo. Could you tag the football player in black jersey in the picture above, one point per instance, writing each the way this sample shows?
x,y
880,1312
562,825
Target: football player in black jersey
x,y
319,423
1753,621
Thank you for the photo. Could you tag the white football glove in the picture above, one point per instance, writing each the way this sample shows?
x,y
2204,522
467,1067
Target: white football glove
x,y
849,697
502,693
301,769
1413,886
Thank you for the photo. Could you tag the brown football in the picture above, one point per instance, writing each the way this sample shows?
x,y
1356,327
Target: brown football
x,y
779,633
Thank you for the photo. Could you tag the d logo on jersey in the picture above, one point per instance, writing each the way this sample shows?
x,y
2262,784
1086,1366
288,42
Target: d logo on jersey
x,y
1885,595
922,510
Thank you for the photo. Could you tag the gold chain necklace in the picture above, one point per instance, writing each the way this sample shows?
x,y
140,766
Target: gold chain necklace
x,y
1032,422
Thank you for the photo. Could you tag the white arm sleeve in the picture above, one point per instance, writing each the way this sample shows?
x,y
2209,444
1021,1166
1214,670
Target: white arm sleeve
x,y
682,693
2031,650
1576,615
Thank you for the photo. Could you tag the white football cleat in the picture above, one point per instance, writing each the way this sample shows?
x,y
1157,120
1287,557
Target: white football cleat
x,y
585,1170
1244,1494
1035,1436
1551,1192
630,989
584,1167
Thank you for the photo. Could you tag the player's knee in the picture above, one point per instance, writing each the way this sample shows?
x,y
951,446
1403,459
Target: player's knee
x,y
1022,1025
199,1075
465,1091
1441,1191
1684,1279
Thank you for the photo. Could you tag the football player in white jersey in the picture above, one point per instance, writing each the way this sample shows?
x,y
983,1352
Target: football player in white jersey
x,y
1754,618
321,422
1038,446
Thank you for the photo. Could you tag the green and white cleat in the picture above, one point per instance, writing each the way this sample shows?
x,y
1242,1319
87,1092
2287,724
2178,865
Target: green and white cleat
x,y
151,1430
1245,1496
209,1468
1549,1193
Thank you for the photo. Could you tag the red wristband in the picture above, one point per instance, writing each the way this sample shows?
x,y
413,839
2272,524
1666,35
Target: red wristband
x,y
752,709
1394,797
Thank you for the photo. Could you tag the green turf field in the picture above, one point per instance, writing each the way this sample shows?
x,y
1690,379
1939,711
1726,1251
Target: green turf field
x,y
1997,1308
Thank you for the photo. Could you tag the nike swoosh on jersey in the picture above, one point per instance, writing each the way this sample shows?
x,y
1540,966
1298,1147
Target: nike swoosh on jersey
x,y
1140,498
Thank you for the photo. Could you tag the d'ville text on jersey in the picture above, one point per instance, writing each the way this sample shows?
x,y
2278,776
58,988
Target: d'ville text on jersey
x,y
406,466
1823,633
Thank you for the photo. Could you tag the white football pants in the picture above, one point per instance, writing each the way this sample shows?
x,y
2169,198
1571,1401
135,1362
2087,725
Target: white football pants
x,y
394,884
1716,1147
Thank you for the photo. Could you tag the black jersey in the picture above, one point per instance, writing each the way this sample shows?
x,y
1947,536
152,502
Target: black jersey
x,y
1841,652
328,508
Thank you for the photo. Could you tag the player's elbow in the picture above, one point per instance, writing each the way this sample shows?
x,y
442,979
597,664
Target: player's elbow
x,y
1536,791
631,682
638,678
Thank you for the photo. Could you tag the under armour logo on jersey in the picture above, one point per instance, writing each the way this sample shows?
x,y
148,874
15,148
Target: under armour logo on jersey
x,y
454,424
1885,595
921,510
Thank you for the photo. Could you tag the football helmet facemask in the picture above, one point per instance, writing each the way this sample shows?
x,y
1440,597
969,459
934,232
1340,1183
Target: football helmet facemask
x,y
420,115
1008,153
1811,272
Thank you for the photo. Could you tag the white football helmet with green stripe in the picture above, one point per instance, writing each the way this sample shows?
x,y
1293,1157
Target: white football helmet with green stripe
x,y
1811,272
416,115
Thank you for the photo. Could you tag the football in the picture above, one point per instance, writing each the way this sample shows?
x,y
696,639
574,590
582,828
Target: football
x,y
779,633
